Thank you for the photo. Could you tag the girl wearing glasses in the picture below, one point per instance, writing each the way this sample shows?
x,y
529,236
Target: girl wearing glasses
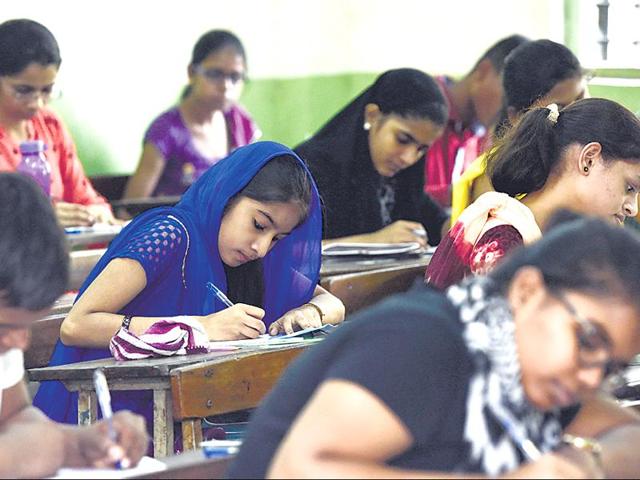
x,y
500,375
29,63
208,123
585,158
251,226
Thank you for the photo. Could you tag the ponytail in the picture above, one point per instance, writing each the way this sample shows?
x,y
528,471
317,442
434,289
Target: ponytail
x,y
525,156
532,150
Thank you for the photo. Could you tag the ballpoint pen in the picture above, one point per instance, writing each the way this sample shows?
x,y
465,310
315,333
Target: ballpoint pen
x,y
104,399
223,298
526,446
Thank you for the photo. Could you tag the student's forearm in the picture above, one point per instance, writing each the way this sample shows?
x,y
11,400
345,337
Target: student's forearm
x,y
331,306
95,330
30,445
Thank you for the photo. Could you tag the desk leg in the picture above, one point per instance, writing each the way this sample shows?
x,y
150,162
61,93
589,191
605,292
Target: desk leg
x,y
191,434
86,407
162,423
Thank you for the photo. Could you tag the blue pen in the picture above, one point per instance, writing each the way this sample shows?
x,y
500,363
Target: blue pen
x,y
223,298
526,446
104,399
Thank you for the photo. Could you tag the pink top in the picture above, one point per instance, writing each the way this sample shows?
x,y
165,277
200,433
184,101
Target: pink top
x,y
184,164
468,140
68,180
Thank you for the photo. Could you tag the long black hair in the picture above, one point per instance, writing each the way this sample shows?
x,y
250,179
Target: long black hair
x,y
531,151
281,180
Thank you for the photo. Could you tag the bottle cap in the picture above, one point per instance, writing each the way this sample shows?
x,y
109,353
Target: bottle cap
x,y
32,146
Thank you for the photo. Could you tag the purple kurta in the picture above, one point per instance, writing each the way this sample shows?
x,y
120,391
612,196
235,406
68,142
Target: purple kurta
x,y
184,163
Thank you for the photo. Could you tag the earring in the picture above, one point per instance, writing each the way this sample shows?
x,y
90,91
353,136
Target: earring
x,y
586,169
366,125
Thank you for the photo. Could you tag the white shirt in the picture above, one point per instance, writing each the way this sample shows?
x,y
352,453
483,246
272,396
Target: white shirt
x,y
11,369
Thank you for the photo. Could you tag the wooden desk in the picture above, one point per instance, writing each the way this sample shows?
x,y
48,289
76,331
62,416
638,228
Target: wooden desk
x,y
228,373
362,289
338,266
81,262
192,465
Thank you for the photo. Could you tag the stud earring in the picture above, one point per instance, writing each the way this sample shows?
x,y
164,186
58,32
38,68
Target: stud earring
x,y
366,125
586,169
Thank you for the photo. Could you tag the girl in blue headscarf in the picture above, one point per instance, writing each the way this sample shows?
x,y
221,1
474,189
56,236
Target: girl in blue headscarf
x,y
251,225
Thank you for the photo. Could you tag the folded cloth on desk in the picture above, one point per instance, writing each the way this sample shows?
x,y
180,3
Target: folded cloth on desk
x,y
178,336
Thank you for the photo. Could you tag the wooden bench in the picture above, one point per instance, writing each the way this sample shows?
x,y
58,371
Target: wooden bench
x,y
359,290
213,388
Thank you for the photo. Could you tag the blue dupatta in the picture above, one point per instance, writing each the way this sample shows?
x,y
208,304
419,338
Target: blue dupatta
x,y
291,269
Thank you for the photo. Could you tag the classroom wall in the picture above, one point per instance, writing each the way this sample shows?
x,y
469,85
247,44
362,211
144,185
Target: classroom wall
x,y
125,61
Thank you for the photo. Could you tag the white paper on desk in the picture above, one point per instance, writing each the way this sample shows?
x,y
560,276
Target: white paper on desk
x,y
344,249
146,465
263,341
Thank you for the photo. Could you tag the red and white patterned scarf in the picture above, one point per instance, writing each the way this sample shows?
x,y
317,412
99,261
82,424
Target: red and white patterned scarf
x,y
178,336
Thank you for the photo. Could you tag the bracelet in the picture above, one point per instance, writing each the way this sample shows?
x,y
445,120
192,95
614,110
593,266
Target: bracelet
x,y
127,321
587,445
317,309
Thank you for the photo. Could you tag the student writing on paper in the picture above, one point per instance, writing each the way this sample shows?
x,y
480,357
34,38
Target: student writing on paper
x,y
31,445
206,125
29,63
368,161
537,73
250,225
585,158
486,380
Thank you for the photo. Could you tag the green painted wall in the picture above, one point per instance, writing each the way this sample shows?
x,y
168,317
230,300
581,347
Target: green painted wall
x,y
291,110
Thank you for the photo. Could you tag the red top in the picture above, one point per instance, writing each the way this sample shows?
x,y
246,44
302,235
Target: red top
x,y
452,262
68,180
441,157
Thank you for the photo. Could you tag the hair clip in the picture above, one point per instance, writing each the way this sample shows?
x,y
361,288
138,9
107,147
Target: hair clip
x,y
554,113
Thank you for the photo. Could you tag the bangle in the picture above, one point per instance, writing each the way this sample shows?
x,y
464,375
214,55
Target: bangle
x,y
317,309
126,322
587,445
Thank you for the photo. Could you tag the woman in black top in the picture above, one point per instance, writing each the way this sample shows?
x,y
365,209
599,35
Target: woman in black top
x,y
368,162
489,378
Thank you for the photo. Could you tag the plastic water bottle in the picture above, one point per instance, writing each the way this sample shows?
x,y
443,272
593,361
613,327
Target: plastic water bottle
x,y
34,163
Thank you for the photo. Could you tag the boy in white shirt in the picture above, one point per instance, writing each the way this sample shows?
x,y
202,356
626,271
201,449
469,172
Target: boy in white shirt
x,y
33,273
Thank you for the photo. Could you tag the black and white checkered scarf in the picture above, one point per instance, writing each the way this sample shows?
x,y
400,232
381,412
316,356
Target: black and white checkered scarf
x,y
496,399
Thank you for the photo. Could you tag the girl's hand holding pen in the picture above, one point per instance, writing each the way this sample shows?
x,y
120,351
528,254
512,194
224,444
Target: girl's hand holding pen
x,y
93,447
237,322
